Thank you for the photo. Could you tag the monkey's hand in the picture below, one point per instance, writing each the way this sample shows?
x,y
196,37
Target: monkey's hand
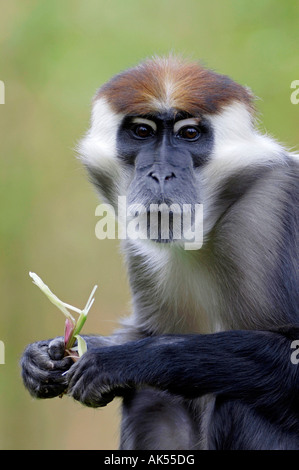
x,y
94,379
44,365
43,368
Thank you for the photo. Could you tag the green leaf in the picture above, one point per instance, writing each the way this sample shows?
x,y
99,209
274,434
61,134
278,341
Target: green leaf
x,y
82,346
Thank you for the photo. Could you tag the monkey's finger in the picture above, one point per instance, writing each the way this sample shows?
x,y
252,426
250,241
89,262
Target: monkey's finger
x,y
90,394
56,349
37,354
42,383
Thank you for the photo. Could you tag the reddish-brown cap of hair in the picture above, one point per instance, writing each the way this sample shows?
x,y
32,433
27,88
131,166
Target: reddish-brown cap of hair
x,y
172,82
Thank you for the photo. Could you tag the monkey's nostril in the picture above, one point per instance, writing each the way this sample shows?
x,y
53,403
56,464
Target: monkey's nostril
x,y
170,177
153,175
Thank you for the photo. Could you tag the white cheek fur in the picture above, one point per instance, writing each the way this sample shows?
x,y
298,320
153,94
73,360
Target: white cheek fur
x,y
237,145
237,141
98,152
98,147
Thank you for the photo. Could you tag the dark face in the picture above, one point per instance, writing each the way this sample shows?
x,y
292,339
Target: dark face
x,y
166,153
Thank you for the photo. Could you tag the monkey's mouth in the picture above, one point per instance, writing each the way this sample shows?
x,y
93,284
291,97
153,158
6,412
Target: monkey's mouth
x,y
161,226
164,223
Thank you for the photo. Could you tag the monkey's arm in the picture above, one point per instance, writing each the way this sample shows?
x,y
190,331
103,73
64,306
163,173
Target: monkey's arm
x,y
251,365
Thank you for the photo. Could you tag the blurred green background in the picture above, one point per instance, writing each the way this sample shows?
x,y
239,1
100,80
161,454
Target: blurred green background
x,y
54,55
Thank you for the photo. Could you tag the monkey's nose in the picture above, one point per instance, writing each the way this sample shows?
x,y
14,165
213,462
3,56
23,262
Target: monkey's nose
x,y
161,177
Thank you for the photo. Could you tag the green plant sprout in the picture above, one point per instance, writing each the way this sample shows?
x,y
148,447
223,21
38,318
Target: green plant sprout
x,y
72,326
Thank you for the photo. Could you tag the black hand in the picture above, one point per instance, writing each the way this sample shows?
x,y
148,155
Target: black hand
x,y
90,380
43,367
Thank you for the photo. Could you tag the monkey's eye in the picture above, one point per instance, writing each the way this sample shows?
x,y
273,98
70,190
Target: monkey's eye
x,y
142,131
189,133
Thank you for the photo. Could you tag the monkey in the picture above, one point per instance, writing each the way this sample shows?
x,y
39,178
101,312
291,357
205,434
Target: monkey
x,y
204,359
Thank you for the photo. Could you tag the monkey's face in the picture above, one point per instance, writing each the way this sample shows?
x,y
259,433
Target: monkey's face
x,y
156,129
165,152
